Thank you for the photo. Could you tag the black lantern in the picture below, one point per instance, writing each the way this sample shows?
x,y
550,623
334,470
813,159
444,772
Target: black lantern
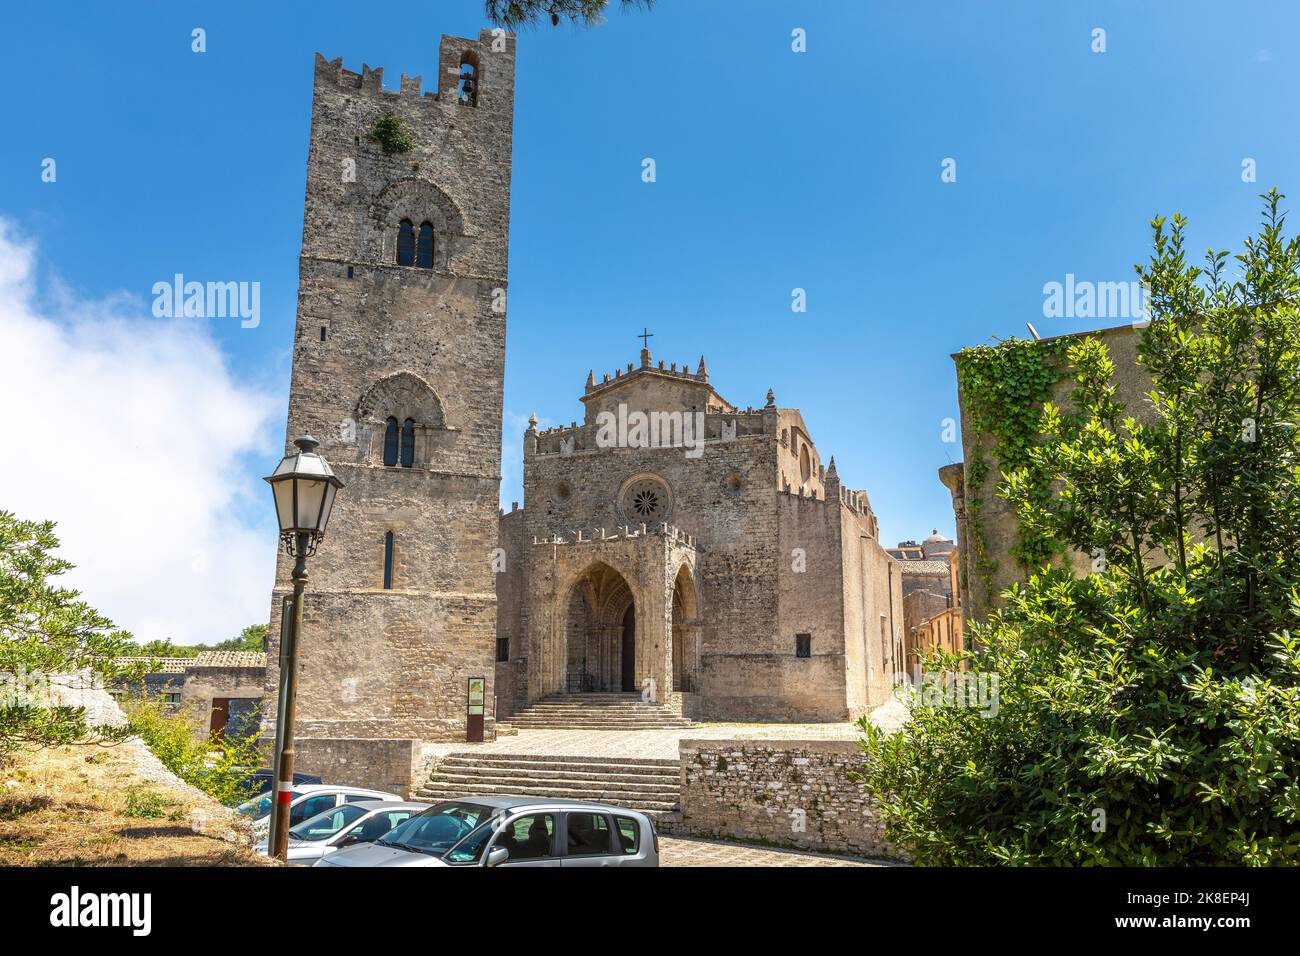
x,y
304,488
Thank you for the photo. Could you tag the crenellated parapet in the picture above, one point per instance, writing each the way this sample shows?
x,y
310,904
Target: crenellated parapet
x,y
718,427
671,533
491,63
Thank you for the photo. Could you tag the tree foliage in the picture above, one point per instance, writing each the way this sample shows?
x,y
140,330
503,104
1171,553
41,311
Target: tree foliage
x,y
219,767
515,14
47,634
1149,711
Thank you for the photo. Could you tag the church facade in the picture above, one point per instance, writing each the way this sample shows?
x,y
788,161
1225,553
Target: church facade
x,y
675,544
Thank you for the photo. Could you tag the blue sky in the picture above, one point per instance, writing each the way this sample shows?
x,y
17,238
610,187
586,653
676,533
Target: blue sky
x,y
776,170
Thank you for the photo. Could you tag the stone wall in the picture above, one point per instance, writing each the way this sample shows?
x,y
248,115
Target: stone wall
x,y
203,684
381,764
785,792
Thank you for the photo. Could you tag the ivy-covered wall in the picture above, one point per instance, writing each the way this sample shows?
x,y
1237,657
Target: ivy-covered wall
x,y
1001,389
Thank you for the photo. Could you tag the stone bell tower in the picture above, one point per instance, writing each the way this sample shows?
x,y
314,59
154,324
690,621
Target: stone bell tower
x,y
398,359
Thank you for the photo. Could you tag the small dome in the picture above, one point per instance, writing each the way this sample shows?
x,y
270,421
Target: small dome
x,y
936,538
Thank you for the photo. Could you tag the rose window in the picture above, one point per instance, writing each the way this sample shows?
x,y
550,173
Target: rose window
x,y
645,501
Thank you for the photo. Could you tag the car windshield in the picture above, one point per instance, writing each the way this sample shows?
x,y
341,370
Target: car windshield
x,y
257,808
470,848
325,825
437,829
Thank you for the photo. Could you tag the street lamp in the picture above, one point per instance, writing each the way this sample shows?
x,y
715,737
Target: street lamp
x,y
304,488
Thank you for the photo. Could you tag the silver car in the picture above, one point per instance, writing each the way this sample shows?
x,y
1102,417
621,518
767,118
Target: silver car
x,y
342,826
511,831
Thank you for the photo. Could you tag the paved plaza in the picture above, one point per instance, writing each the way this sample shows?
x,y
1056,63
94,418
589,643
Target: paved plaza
x,y
661,743
680,851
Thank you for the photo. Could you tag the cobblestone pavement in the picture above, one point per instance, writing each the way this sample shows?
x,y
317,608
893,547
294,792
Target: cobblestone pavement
x,y
681,851
660,744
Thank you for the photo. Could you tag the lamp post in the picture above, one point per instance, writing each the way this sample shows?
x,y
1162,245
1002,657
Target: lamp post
x,y
304,488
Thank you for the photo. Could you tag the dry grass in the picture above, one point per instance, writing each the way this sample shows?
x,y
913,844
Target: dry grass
x,y
111,806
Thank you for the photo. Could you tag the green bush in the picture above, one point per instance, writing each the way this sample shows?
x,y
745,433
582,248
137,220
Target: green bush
x,y
1148,713
220,768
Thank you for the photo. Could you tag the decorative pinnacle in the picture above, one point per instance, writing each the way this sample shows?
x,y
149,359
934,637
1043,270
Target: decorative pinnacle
x,y
532,422
702,373
771,399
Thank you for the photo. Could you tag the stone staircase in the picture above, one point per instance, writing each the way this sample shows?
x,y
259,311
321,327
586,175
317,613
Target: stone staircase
x,y
600,712
640,783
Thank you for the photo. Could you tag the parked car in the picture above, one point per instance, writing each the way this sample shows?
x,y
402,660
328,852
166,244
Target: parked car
x,y
511,831
342,826
307,801
260,781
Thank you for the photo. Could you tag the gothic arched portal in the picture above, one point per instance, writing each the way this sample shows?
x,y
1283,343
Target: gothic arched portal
x,y
686,632
600,633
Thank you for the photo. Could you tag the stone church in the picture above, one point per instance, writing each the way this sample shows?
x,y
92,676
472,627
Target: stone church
x,y
706,559
673,545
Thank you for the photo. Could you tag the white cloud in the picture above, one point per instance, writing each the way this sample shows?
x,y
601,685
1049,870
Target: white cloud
x,y
129,431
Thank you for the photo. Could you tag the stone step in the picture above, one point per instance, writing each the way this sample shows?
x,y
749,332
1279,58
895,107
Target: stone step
x,y
614,764
637,801
602,711
667,776
541,771
603,708
596,723
503,782
632,709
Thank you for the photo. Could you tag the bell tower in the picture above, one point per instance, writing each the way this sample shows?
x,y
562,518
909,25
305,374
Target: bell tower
x,y
398,360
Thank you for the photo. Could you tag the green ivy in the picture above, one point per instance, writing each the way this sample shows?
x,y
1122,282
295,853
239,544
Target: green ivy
x,y
391,135
1005,386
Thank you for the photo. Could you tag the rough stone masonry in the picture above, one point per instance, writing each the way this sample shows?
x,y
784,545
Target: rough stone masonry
x,y
398,360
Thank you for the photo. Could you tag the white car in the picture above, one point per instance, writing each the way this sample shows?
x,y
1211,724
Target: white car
x,y
348,824
307,800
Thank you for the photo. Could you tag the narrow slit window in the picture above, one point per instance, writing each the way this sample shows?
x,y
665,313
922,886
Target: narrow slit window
x,y
388,560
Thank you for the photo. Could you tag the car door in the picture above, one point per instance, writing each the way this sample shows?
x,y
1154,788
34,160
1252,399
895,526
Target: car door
x,y
530,839
313,805
635,847
588,840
